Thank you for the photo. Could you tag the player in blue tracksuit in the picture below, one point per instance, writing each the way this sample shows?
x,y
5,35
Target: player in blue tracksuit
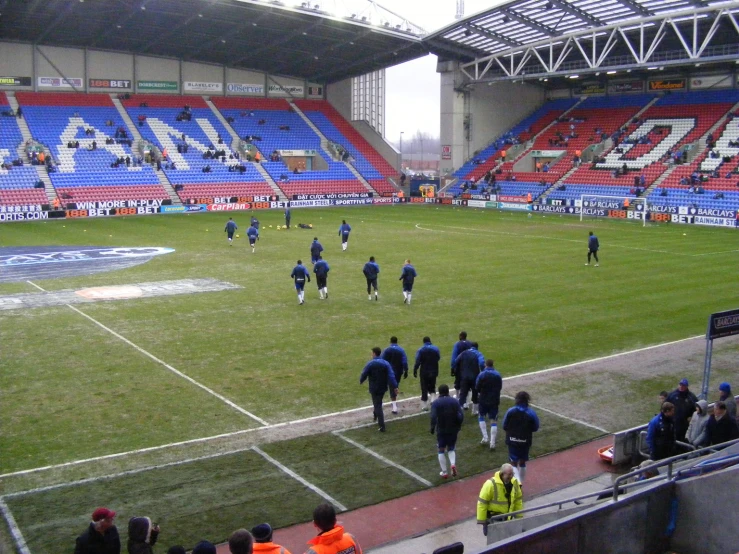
x,y
593,246
255,222
427,359
395,356
344,231
408,276
253,234
519,423
321,270
446,421
381,378
371,270
287,215
300,275
488,386
315,250
230,229
468,366
460,346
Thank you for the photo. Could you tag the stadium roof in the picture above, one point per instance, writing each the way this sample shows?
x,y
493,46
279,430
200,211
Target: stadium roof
x,y
318,40
522,22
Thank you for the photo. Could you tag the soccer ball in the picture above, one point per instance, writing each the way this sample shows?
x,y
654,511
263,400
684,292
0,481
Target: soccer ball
x,y
238,236
310,225
270,226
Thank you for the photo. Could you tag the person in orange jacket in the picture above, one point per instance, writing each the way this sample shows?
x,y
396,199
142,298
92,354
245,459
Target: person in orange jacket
x,y
262,534
331,538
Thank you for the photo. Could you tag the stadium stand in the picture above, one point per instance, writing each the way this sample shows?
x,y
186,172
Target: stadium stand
x,y
367,161
84,173
245,115
160,120
522,132
17,182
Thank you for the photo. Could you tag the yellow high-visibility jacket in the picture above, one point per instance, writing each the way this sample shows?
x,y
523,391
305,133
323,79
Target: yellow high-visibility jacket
x,y
493,501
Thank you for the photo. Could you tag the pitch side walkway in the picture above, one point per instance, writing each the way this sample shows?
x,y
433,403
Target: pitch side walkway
x,y
431,509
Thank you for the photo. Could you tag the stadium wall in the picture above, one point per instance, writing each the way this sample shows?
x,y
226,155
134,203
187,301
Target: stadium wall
x,y
16,60
489,110
339,96
104,71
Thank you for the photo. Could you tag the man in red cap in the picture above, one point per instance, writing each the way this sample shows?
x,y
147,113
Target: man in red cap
x,y
101,536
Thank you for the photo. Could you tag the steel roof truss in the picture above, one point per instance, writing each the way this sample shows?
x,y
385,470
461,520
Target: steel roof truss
x,y
657,39
582,51
690,51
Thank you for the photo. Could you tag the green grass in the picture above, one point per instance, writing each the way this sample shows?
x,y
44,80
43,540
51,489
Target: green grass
x,y
70,390
516,284
210,498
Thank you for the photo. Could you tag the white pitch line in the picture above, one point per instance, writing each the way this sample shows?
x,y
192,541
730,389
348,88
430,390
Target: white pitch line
x,y
407,416
298,478
560,239
121,474
568,418
312,418
600,359
384,460
714,253
188,442
165,364
15,531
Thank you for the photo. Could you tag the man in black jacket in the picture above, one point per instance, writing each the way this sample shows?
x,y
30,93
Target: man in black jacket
x,y
684,402
101,536
446,420
721,427
381,377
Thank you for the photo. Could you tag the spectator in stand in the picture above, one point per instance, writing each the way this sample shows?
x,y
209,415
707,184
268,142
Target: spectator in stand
x,y
727,397
381,378
661,433
446,420
331,539
721,428
204,547
142,535
263,542
684,402
697,434
520,423
501,494
101,536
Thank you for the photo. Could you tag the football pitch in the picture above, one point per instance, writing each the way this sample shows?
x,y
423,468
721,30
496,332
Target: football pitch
x,y
99,379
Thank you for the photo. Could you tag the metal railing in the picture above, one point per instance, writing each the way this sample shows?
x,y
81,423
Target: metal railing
x,y
670,462
619,485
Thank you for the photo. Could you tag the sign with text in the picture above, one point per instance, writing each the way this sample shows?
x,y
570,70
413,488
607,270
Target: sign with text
x,y
332,195
315,92
590,88
109,83
723,324
668,84
710,81
157,85
510,198
285,90
202,86
15,82
245,88
446,151
59,82
293,153
630,86
547,153
513,206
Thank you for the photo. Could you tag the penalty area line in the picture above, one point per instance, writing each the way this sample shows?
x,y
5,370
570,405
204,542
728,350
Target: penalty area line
x,y
15,531
383,459
174,370
568,418
323,494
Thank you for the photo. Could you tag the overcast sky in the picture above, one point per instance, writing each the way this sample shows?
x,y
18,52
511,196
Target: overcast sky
x,y
412,88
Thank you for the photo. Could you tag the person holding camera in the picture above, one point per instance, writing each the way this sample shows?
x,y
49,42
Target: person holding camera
x,y
142,535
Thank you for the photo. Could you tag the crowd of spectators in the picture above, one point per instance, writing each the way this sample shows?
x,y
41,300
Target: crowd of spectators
x,y
686,423
101,537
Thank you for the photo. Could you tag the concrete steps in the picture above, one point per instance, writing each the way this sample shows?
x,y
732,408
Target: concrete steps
x,y
324,147
126,118
43,175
